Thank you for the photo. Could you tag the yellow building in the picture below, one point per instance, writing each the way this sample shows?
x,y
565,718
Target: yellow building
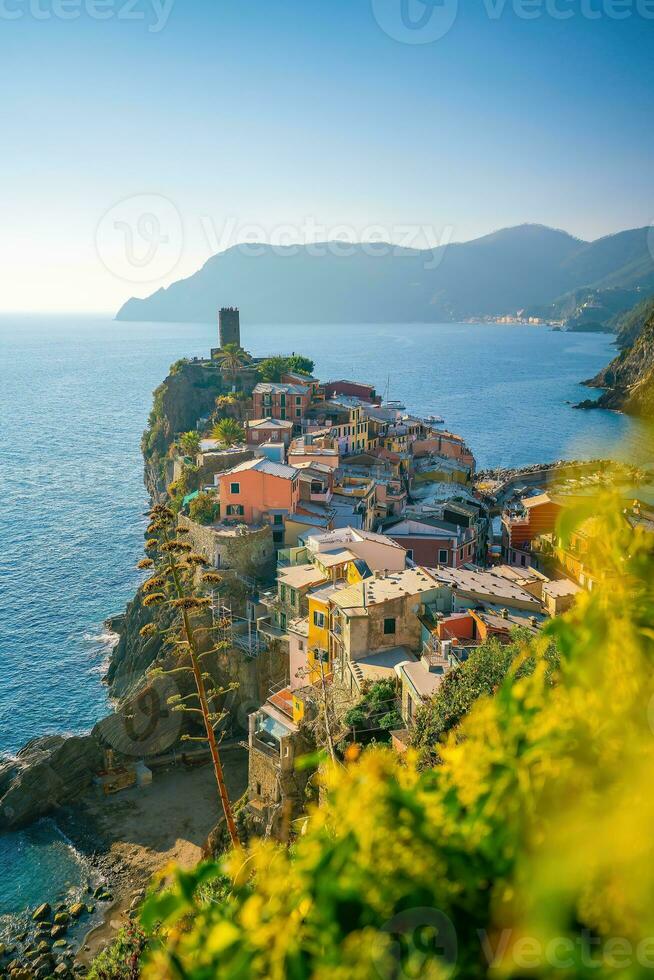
x,y
318,643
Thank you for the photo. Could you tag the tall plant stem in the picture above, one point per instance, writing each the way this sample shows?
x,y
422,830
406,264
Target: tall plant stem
x,y
204,707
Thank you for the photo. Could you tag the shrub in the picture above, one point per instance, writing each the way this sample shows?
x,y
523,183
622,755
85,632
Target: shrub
x,y
204,509
121,959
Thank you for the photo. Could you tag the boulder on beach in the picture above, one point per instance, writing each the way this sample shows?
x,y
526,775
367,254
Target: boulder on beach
x,y
42,913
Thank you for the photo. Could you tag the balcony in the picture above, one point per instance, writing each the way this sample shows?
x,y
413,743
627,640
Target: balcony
x,y
267,629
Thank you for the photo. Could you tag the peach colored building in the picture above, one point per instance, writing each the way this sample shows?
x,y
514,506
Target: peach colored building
x,y
259,490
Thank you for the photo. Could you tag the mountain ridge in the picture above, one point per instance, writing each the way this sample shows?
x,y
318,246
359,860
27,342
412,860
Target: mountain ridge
x,y
523,267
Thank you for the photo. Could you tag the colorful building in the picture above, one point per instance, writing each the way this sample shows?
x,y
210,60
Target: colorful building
x,y
434,542
352,389
260,490
288,402
260,431
524,523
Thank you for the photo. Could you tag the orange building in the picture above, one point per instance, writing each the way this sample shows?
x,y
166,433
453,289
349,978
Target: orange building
x,y
260,491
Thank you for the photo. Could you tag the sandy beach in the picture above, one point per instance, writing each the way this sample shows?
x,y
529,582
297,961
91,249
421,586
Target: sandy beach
x,y
140,831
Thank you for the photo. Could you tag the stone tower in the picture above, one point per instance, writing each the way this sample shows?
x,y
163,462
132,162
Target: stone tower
x,y
229,326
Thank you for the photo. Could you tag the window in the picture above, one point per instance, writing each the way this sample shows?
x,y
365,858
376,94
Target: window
x,y
235,510
298,412
258,789
282,620
389,626
298,399
319,620
278,518
235,488
278,537
409,553
442,556
282,413
282,399
282,593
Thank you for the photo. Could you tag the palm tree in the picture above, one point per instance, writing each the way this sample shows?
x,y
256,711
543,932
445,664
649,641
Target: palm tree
x,y
231,359
228,431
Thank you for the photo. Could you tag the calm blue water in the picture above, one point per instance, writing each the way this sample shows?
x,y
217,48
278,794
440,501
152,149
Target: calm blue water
x,y
74,398
36,866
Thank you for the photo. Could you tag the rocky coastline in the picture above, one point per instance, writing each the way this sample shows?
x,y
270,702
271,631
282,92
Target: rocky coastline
x,y
627,383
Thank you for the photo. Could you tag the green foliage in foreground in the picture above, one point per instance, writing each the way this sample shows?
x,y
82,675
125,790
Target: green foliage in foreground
x,y
527,852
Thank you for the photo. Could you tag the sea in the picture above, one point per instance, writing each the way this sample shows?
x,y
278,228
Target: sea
x,y
75,393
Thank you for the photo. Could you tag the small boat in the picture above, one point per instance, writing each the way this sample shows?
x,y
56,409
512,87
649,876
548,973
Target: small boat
x,y
395,405
434,419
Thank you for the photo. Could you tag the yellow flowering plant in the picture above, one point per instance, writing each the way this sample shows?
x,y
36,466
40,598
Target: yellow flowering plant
x,y
526,852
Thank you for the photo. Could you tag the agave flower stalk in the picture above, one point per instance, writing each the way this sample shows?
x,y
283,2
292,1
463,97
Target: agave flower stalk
x,y
186,603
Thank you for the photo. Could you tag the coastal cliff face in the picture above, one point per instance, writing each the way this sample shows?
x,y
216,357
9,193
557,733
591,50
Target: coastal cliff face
x,y
629,379
188,393
134,654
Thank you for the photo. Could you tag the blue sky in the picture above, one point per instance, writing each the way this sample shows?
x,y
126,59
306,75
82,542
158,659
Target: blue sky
x,y
285,120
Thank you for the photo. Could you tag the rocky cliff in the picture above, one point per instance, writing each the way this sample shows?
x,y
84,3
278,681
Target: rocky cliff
x,y
629,378
188,393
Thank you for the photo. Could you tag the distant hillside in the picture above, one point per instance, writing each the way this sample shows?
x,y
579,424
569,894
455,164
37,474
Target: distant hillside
x,y
335,283
629,378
